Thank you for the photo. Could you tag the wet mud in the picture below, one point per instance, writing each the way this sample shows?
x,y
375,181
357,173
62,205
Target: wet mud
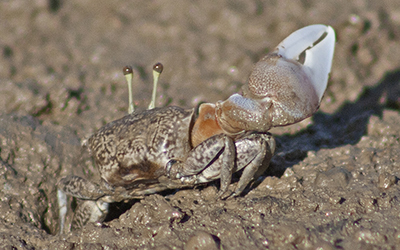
x,y
332,184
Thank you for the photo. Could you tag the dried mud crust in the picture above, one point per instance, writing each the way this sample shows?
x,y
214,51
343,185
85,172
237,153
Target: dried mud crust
x,y
332,184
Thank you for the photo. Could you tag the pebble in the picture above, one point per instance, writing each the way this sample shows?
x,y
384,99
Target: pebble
x,y
386,180
201,241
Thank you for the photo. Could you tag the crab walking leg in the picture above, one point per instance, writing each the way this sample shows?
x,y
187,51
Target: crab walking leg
x,y
79,187
89,211
225,166
157,69
128,76
93,209
254,152
62,208
211,159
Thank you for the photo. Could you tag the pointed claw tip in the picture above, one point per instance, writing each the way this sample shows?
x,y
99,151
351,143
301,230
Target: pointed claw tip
x,y
301,40
319,60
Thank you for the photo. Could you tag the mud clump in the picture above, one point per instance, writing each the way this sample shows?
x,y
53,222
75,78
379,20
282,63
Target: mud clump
x,y
333,178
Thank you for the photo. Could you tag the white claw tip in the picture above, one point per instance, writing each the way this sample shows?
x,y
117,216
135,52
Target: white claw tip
x,y
318,43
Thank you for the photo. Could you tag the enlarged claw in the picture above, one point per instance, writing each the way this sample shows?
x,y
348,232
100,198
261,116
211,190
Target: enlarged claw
x,y
281,90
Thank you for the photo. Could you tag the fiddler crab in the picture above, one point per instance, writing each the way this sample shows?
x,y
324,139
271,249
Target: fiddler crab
x,y
149,151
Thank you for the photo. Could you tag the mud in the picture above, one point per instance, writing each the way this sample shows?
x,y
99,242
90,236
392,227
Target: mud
x,y
333,183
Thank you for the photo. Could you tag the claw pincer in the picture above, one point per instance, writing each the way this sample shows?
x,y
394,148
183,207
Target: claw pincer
x,y
285,87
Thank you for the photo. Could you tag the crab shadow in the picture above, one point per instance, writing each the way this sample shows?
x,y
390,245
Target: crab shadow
x,y
346,126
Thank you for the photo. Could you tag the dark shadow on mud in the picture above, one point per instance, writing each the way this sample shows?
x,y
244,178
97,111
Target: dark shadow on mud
x,y
346,126
116,209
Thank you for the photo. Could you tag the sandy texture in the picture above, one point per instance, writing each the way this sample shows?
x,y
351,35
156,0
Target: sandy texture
x,y
333,183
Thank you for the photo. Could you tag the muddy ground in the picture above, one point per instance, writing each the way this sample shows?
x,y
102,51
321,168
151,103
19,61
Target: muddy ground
x,y
333,183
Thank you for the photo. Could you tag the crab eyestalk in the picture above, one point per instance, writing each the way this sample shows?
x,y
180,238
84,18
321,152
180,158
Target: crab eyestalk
x,y
128,72
157,69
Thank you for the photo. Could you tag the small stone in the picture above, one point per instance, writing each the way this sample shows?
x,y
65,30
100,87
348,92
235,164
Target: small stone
x,y
386,180
201,240
369,204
